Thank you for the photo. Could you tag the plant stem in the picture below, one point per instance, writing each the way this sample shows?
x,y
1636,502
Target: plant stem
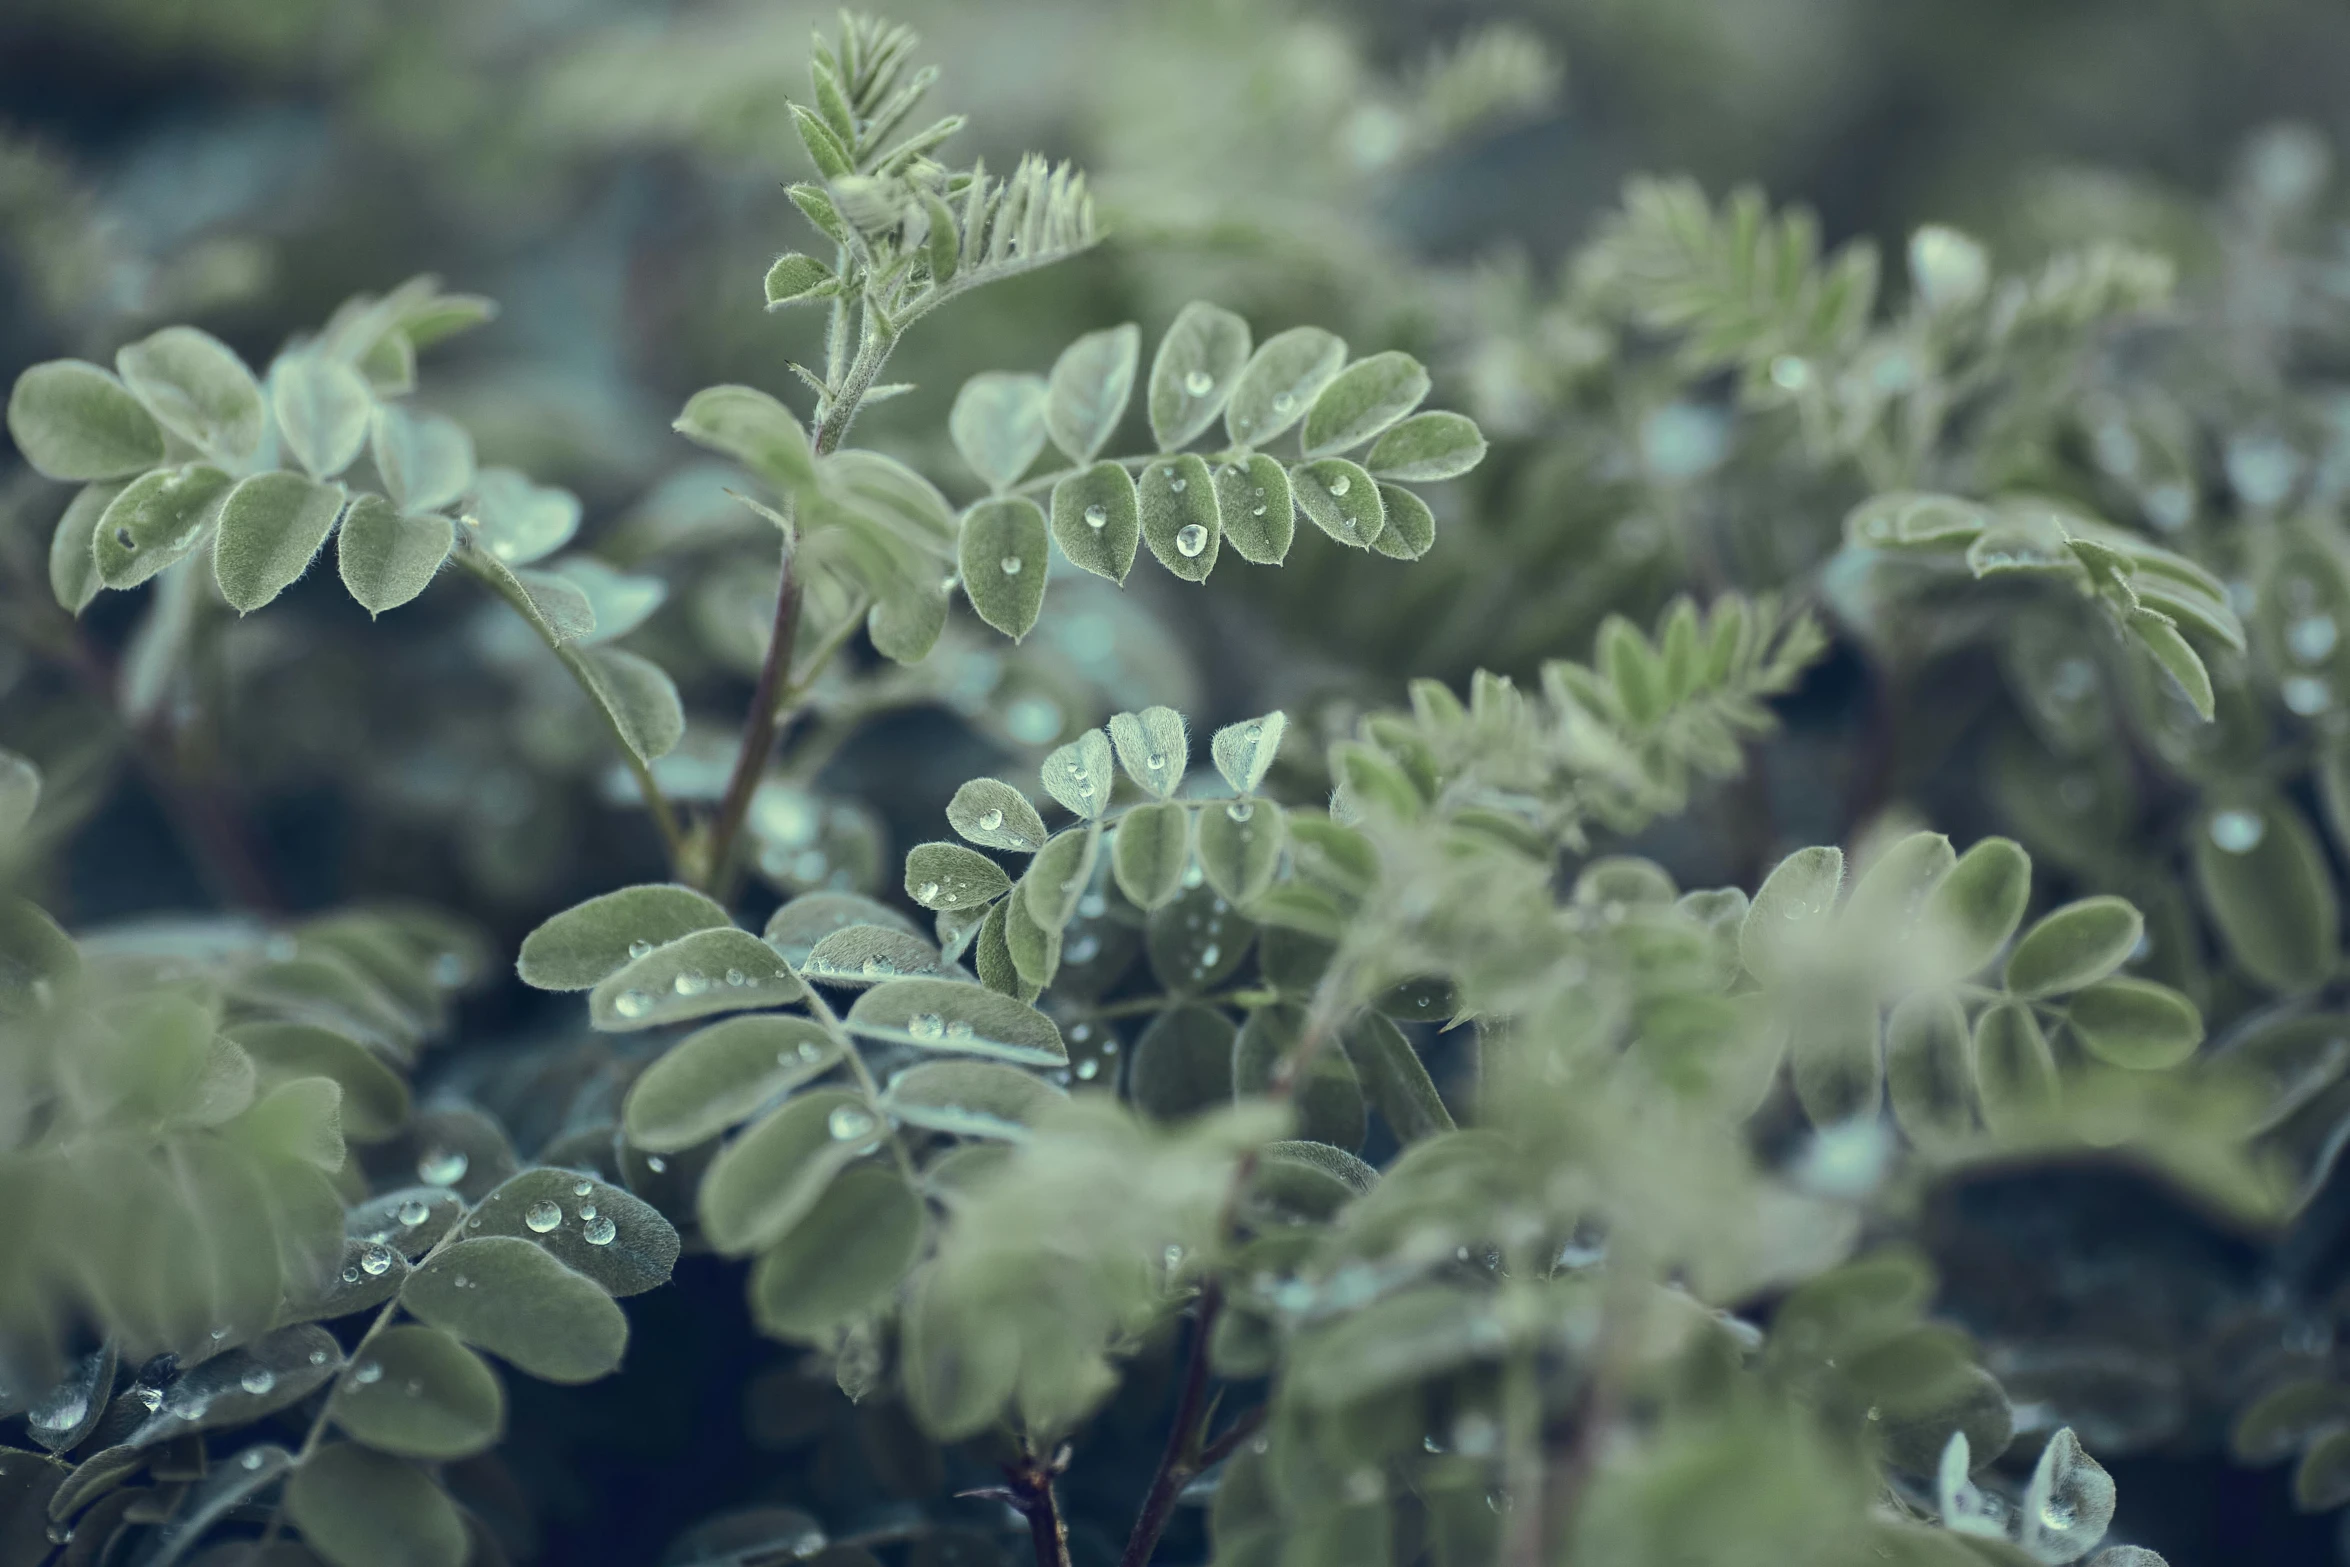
x,y
776,690
1032,1492
1179,1461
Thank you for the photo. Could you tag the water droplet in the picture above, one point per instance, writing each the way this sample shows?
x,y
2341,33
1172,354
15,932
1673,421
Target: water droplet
x,y
958,1029
542,1216
2057,1515
877,968
318,1357
1341,483
374,1260
847,1123
2312,637
1284,402
1208,956
737,978
1191,541
250,1460
1177,482
414,1212
1155,762
1097,515
927,891
2238,832
122,536
599,1231
1173,1257
151,1399
351,1275
991,820
632,1003
640,949
587,1211
655,1163
442,1167
691,983
1199,383
219,1333
258,1381
368,1374
1240,810
926,1025
1088,1069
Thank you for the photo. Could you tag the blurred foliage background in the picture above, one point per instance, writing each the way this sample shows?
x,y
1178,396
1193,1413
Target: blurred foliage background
x,y
1410,174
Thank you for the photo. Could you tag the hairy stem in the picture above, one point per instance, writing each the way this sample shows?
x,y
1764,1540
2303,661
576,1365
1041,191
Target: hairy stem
x,y
1032,1492
776,689
1179,1460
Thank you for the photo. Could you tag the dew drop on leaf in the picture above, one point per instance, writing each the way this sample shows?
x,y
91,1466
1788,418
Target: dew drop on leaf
x,y
847,1123
369,1374
631,1003
414,1212
542,1216
1191,540
1199,383
926,1025
376,1260
1097,516
692,982
257,1381
599,1231
640,949
1010,565
2238,832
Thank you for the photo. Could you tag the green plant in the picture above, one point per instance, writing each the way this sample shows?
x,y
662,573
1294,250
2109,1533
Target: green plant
x,y
1637,1276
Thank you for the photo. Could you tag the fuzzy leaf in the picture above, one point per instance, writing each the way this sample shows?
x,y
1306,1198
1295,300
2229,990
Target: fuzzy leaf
x,y
639,697
1341,499
1833,1052
795,279
721,970
1056,879
1280,382
272,526
1098,520
2178,660
514,1299
588,941
2265,883
74,421
1240,844
155,520
73,559
1151,851
363,1509
1396,1082
1198,363
992,813
426,462
2015,1073
1930,1068
845,1257
198,389
970,1098
969,1020
755,430
1182,1063
1365,398
1152,748
386,558
615,1238
2135,1023
1005,553
1080,774
998,424
1975,907
949,876
1244,752
322,408
1180,518
418,1393
519,522
1255,506
1790,912
1427,447
720,1076
2074,946
1090,385
766,1180
1410,528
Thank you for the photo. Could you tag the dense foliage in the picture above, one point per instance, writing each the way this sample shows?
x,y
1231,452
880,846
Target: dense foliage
x,y
1382,1078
